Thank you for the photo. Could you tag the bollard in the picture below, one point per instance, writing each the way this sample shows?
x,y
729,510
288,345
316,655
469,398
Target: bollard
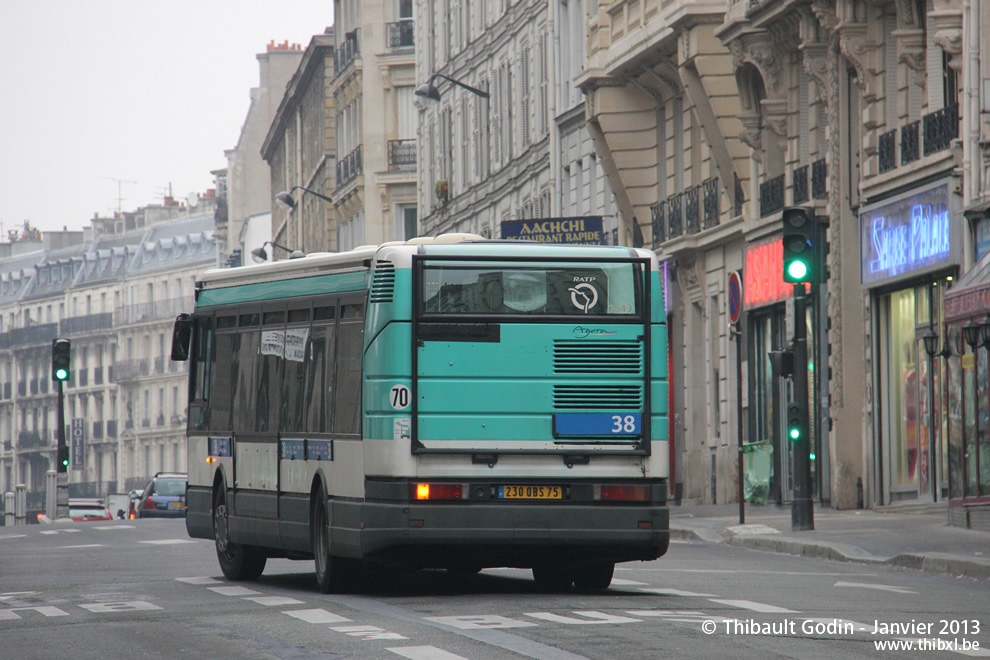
x,y
20,505
51,488
8,509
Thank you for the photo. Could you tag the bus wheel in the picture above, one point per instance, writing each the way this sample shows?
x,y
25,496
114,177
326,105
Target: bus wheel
x,y
329,569
594,577
238,562
552,578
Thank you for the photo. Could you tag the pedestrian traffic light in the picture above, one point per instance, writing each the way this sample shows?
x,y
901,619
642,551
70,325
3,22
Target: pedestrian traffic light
x,y
63,458
61,349
799,244
795,422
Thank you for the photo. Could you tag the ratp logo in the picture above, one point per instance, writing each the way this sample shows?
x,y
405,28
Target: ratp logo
x,y
584,296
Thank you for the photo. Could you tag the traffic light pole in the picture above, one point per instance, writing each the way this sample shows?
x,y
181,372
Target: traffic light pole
x,y
802,513
62,487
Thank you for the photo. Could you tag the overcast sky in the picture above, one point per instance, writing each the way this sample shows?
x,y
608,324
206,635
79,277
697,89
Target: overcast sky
x,y
94,91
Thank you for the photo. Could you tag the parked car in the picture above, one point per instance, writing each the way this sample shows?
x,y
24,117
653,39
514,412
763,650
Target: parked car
x,y
84,509
164,496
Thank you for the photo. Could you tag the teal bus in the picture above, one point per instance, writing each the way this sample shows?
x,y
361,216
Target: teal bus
x,y
449,402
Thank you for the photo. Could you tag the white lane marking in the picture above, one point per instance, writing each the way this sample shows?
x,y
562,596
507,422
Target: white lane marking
x,y
199,580
756,607
112,527
12,536
425,653
591,618
275,601
317,616
121,606
12,594
235,591
367,632
680,616
87,545
880,587
618,582
44,610
857,626
676,592
168,541
480,621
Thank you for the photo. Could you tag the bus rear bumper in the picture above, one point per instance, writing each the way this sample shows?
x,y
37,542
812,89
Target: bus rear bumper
x,y
519,535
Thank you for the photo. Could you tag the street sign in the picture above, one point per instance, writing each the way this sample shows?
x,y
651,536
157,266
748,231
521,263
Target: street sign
x,y
78,443
735,300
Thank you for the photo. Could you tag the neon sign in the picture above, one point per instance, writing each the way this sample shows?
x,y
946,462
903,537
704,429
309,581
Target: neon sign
x,y
764,281
906,236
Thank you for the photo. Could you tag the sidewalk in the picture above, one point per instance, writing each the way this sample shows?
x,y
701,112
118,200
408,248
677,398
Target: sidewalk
x,y
921,540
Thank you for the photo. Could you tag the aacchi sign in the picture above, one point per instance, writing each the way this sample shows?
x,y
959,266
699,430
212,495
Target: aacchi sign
x,y
584,230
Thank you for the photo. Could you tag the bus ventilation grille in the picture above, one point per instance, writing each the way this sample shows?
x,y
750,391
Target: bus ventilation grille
x,y
613,357
600,397
383,282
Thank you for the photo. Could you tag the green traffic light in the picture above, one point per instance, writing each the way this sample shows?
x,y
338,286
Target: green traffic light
x,y
795,433
65,462
61,374
797,270
811,456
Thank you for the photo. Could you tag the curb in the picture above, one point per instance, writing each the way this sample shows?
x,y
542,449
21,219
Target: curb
x,y
934,562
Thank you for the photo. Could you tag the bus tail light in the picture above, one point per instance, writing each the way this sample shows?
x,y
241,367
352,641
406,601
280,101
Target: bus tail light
x,y
438,491
614,493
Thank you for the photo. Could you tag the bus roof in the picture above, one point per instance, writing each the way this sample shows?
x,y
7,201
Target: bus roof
x,y
400,253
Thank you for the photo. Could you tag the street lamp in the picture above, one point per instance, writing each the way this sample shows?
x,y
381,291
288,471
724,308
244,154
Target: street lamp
x,y
285,200
260,254
429,91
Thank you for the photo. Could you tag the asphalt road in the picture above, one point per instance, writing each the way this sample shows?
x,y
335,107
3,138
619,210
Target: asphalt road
x,y
143,589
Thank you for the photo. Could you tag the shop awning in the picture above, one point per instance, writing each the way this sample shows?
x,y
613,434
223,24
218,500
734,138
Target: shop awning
x,y
969,297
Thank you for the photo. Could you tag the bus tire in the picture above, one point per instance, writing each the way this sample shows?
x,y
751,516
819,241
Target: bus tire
x,y
329,569
594,577
238,562
552,577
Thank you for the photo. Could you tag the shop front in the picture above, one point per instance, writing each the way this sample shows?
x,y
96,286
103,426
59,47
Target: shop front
x,y
769,326
911,247
967,397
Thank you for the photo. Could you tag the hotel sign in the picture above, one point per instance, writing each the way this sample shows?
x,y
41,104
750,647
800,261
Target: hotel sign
x,y
910,235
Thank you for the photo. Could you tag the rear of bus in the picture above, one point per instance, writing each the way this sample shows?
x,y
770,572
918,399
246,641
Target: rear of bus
x,y
515,400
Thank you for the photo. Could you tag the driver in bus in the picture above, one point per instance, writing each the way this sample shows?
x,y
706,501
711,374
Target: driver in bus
x,y
525,291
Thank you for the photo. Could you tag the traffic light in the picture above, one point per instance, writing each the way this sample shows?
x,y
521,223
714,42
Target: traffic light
x,y
799,244
795,422
782,362
61,349
63,458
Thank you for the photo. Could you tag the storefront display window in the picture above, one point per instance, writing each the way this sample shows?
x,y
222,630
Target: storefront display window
x,y
901,384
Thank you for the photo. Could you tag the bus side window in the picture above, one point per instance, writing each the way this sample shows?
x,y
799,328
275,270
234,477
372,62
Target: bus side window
x,y
224,378
201,372
270,367
298,353
320,371
245,372
350,350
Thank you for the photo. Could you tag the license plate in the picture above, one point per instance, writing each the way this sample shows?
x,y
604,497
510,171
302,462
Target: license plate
x,y
530,492
177,505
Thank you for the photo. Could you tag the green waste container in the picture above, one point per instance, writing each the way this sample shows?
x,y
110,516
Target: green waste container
x,y
758,465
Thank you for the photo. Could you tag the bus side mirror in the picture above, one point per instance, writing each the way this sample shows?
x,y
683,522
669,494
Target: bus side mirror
x,y
181,337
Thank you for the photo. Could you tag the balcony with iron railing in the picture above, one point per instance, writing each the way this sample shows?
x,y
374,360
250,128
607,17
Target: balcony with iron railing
x,y
127,370
402,154
347,52
772,196
929,135
688,212
152,311
40,334
349,167
88,324
31,439
400,34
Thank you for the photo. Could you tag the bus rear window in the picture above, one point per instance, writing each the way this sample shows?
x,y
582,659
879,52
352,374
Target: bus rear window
x,y
585,289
